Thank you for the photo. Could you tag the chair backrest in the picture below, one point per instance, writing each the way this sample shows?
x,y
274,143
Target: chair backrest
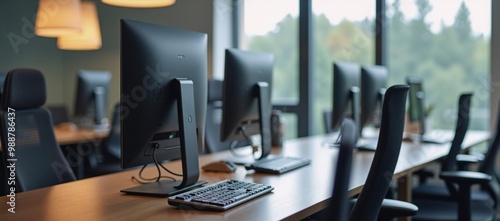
x,y
339,201
377,183
111,144
450,161
40,162
214,120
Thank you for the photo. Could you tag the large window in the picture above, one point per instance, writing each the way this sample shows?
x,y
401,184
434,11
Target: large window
x,y
446,43
272,26
343,31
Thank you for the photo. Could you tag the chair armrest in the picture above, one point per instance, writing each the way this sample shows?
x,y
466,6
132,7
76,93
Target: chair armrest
x,y
480,156
465,180
465,177
394,208
467,158
464,160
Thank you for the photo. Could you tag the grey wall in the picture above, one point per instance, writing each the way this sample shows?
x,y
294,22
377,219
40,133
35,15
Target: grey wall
x,y
20,48
59,67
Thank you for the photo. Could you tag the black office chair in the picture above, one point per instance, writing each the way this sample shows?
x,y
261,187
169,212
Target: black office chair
x,y
40,162
338,208
439,201
107,157
371,205
214,119
440,190
450,162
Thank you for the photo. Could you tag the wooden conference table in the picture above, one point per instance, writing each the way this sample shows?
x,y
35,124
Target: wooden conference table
x,y
297,194
75,136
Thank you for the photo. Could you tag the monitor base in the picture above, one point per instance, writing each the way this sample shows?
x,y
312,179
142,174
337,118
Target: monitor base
x,y
164,188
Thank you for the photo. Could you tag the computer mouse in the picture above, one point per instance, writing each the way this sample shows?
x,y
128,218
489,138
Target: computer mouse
x,y
220,166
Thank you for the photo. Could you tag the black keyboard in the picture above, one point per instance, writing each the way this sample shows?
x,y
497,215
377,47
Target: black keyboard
x,y
220,196
278,164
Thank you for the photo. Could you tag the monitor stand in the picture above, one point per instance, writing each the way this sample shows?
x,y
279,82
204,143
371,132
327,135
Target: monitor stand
x,y
421,112
369,142
99,103
356,109
264,117
189,148
354,97
262,94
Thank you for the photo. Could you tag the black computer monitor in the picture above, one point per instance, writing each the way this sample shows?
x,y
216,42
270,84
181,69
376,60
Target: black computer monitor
x,y
373,86
416,113
416,102
246,98
91,96
163,101
346,93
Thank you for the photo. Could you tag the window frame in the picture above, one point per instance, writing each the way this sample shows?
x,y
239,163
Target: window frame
x,y
303,109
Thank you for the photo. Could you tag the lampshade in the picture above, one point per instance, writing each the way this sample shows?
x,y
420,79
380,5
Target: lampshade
x,y
90,36
55,18
140,3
